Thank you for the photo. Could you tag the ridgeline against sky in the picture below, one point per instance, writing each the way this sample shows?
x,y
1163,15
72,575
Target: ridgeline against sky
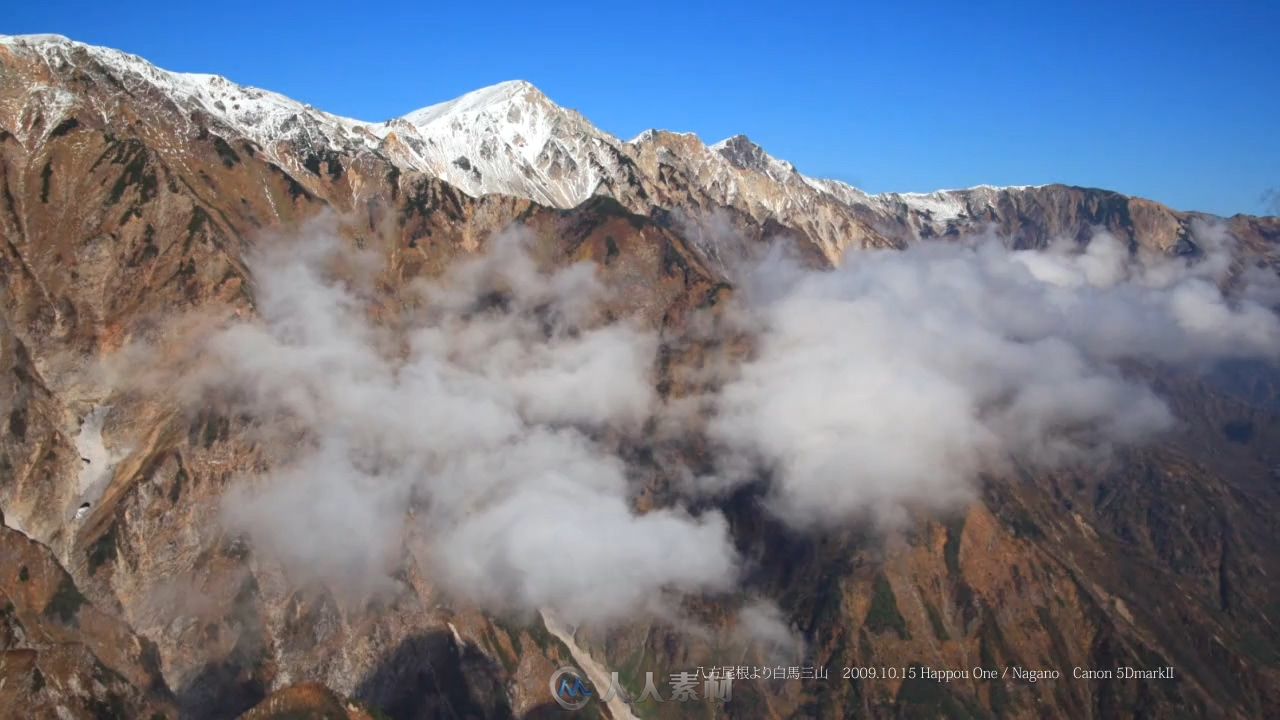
x,y
1175,102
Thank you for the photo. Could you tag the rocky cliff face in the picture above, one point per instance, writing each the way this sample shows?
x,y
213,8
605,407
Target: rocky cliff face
x,y
130,197
59,655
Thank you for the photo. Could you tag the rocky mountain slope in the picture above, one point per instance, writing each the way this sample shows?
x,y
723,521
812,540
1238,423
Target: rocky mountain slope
x,y
60,655
130,196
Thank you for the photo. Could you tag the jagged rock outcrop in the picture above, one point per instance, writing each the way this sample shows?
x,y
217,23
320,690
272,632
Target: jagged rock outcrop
x,y
60,656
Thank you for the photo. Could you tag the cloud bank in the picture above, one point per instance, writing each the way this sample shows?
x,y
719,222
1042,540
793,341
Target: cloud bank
x,y
898,378
481,414
485,415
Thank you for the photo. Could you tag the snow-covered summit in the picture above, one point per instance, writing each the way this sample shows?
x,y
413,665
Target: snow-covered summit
x,y
503,92
260,115
655,133
508,138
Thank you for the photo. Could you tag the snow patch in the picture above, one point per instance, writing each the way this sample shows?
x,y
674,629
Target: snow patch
x,y
600,677
938,206
471,102
98,461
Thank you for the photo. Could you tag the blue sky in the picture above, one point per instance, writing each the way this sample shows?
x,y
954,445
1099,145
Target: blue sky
x,y
1177,101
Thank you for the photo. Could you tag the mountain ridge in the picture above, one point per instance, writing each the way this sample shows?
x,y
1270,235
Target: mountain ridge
x,y
473,100
510,138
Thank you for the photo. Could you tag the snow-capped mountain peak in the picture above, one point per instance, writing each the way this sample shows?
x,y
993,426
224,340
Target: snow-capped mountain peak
x,y
260,115
508,138
476,100
745,154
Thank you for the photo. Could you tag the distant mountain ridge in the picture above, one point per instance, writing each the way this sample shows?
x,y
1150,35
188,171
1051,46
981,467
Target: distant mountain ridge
x,y
512,139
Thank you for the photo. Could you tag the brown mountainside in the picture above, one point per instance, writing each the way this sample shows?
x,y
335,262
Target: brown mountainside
x,y
122,208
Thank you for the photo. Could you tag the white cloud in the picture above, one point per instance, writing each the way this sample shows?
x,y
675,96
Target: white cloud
x,y
481,414
896,379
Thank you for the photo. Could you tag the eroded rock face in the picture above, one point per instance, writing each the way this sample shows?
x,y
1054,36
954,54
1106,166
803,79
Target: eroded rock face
x,y
60,656
122,209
